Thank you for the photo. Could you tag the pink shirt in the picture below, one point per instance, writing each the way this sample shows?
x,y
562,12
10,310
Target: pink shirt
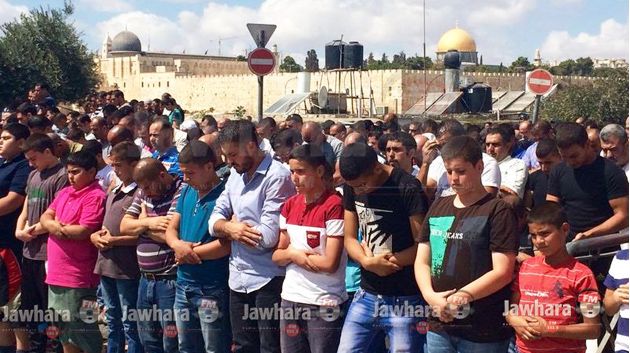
x,y
71,262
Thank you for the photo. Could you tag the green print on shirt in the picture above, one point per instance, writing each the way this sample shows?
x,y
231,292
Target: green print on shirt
x,y
438,239
35,194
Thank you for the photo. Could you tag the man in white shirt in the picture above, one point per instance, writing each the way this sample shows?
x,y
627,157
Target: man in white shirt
x,y
614,142
432,173
499,143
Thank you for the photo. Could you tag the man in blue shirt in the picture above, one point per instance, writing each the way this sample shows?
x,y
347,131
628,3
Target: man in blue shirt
x,y
247,213
202,293
161,138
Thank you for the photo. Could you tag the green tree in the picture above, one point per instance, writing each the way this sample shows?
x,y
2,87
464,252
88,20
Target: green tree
x,y
289,65
241,58
311,64
42,46
605,100
521,64
239,111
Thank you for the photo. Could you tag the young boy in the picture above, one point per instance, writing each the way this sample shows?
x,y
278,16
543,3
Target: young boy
x,y
550,287
73,216
117,263
202,275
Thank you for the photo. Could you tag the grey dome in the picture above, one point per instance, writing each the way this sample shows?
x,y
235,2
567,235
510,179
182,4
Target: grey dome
x,y
126,41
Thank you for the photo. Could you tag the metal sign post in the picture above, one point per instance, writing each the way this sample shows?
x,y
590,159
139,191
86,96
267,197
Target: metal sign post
x,y
261,34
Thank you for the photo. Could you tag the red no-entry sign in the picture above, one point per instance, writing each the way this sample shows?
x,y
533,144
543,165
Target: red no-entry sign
x,y
261,61
540,81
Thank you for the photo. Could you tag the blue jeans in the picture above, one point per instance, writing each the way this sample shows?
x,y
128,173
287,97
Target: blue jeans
x,y
442,342
119,295
307,331
203,318
157,297
370,314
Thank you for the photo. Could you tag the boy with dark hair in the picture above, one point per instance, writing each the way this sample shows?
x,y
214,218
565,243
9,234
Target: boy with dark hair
x,y
388,206
592,189
117,263
399,150
549,289
466,258
202,274
548,157
74,214
43,184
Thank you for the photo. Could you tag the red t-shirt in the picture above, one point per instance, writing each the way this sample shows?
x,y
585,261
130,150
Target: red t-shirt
x,y
554,293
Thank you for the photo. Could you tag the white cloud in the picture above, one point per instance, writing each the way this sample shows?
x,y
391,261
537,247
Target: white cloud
x,y
610,42
8,11
107,6
500,12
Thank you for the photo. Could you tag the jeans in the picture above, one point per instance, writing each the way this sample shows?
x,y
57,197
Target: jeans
x,y
401,318
203,319
120,295
442,342
307,330
158,333
253,334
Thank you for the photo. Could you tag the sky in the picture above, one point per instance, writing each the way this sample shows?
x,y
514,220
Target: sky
x,y
502,29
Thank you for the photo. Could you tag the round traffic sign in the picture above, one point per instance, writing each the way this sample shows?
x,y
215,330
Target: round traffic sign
x,y
540,81
261,61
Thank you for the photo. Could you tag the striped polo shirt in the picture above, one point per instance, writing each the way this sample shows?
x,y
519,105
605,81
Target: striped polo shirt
x,y
154,257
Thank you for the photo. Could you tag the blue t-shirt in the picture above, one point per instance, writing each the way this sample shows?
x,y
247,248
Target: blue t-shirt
x,y
170,160
13,177
193,227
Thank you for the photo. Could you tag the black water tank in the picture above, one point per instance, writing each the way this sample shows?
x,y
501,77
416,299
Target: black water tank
x,y
334,54
452,60
478,98
353,56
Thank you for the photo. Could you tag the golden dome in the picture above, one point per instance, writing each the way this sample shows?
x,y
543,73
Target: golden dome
x,y
456,39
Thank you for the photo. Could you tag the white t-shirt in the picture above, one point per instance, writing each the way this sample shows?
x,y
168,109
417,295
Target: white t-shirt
x,y
491,176
513,175
105,177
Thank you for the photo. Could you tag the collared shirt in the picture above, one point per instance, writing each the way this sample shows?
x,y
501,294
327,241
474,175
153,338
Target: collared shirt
x,y
13,177
529,157
170,160
193,227
513,175
71,261
256,201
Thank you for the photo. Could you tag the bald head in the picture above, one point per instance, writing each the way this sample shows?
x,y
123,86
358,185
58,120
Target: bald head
x,y
118,134
312,133
420,141
354,137
148,169
212,140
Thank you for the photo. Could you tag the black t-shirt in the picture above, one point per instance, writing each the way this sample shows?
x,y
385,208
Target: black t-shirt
x,y
537,183
13,176
384,223
462,241
584,192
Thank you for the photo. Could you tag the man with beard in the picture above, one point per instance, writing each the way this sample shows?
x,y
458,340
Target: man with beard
x,y
248,213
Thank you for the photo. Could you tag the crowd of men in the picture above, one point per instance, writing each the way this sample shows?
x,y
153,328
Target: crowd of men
x,y
227,235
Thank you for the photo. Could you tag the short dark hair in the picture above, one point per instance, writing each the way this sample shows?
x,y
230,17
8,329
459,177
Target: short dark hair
x,y
19,131
464,147
505,130
313,156
83,159
38,122
295,118
38,142
548,213
238,131
118,93
326,126
429,125
569,134
75,134
286,138
268,121
451,127
356,160
109,109
546,147
211,120
27,108
162,120
198,153
85,119
93,146
126,151
406,139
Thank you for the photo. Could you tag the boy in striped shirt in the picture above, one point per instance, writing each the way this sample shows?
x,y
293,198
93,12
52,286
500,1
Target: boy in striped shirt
x,y
555,304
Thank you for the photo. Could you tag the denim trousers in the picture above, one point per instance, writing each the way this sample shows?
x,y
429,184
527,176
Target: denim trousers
x,y
158,333
203,319
401,318
120,295
442,342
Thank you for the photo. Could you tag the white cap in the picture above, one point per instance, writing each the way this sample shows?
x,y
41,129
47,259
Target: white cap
x,y
187,124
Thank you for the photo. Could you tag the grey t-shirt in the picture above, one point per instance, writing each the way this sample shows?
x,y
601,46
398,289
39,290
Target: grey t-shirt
x,y
118,262
41,189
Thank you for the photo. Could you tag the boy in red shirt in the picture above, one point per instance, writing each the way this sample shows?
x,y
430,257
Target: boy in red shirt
x,y
550,288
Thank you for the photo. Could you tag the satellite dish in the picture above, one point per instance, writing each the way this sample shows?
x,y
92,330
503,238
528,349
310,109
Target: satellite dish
x,y
322,96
